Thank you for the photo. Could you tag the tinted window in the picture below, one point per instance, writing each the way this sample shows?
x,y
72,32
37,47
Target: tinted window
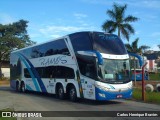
x,y
55,47
108,43
53,72
64,72
26,73
50,48
81,41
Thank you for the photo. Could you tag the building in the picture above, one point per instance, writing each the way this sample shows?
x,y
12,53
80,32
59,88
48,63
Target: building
x,y
5,69
152,61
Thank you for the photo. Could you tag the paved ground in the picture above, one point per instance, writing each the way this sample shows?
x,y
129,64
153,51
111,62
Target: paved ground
x,y
40,102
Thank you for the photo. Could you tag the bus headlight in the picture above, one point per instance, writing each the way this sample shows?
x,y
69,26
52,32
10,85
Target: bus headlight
x,y
102,95
103,88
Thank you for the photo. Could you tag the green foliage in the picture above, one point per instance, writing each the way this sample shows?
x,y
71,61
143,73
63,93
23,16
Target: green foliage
x,y
13,36
144,48
154,77
119,21
133,47
152,97
4,79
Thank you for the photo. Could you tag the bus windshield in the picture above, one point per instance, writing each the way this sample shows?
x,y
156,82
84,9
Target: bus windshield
x,y
114,71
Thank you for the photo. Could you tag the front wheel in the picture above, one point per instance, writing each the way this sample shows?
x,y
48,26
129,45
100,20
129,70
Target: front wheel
x,y
73,94
23,89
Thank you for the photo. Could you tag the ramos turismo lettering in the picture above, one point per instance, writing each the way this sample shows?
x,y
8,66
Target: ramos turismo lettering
x,y
52,61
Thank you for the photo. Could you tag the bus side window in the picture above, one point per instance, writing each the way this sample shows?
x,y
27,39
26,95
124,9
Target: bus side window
x,y
65,72
26,73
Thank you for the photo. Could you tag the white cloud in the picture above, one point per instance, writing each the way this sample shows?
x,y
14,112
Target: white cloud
x,y
57,31
34,35
6,18
80,15
137,32
55,36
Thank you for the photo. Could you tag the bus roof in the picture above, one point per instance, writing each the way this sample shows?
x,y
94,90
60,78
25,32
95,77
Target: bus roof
x,y
54,40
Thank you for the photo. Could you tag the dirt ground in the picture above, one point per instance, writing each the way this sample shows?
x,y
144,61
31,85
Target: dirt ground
x,y
4,82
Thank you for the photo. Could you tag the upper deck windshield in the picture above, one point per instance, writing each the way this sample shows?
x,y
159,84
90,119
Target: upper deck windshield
x,y
108,43
114,71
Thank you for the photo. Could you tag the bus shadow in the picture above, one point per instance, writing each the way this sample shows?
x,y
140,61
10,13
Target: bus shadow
x,y
53,97
93,102
5,88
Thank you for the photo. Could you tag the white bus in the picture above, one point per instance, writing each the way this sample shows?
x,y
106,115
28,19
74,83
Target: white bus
x,y
90,65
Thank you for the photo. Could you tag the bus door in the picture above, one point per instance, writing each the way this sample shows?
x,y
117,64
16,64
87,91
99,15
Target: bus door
x,y
89,91
88,82
51,85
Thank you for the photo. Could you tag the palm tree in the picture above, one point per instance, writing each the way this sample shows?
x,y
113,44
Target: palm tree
x,y
133,48
119,21
144,48
158,46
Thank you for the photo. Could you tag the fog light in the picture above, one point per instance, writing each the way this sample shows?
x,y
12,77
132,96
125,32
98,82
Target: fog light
x,y
102,95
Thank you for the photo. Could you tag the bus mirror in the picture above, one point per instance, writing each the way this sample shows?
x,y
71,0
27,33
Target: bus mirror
x,y
138,57
99,57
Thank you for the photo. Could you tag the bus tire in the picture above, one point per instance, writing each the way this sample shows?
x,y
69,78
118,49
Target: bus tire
x,y
73,94
158,87
23,89
17,87
60,91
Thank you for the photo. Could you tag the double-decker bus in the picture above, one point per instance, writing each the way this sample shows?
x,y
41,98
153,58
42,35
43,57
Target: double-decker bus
x,y
90,65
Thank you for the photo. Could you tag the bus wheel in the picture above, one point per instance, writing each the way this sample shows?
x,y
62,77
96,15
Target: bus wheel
x,y
73,94
17,87
61,94
23,87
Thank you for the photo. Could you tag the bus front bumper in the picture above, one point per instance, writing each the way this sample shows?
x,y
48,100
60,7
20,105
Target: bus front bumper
x,y
110,95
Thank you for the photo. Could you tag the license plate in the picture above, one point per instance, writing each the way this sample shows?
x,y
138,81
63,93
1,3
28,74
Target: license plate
x,y
119,96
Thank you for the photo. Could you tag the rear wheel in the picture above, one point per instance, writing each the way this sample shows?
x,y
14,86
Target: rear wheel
x,y
23,89
60,93
73,94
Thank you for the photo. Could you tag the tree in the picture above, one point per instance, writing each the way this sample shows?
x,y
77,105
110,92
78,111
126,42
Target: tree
x,y
13,36
119,21
144,48
133,48
158,46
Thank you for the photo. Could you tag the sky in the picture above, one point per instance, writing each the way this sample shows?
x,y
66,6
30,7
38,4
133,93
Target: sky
x,y
49,19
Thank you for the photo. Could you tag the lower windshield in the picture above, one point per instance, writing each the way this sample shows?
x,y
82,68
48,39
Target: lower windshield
x,y
114,71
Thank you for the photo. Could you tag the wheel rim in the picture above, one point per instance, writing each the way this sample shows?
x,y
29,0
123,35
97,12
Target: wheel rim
x,y
72,93
23,88
60,92
17,87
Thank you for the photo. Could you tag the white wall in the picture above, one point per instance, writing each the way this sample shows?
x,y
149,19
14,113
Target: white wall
x,y
6,72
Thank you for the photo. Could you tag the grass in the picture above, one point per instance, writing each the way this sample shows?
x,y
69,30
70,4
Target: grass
x,y
151,97
7,118
155,76
4,79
